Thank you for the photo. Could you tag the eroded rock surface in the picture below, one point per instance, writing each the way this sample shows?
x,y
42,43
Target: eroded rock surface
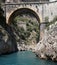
x,y
7,44
47,47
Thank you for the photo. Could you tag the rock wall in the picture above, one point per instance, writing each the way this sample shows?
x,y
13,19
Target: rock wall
x,y
7,40
47,47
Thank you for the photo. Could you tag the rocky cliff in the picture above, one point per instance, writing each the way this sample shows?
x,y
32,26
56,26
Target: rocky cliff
x,y
47,47
7,40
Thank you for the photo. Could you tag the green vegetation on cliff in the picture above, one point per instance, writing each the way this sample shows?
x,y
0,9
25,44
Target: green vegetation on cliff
x,y
51,22
27,28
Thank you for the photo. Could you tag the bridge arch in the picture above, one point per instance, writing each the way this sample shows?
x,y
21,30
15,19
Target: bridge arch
x,y
23,11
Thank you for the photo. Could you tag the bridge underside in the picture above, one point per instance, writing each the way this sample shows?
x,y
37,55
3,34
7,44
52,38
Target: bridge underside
x,y
32,24
23,11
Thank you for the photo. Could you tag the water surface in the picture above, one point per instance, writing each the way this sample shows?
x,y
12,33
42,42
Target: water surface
x,y
23,58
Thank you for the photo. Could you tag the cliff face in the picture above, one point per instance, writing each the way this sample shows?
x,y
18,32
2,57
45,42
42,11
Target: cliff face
x,y
7,40
47,47
7,43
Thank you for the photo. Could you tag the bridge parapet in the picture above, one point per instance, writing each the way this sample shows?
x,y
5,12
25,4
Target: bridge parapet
x,y
10,8
44,9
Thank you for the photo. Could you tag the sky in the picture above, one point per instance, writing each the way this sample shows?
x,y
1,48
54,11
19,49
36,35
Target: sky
x,y
52,0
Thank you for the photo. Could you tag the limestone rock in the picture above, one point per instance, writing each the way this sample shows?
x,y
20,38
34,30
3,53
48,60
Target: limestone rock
x,y
47,47
6,42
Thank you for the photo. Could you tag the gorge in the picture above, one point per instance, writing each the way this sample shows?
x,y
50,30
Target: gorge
x,y
22,32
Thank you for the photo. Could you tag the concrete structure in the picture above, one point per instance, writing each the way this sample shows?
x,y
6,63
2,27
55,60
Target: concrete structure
x,y
39,10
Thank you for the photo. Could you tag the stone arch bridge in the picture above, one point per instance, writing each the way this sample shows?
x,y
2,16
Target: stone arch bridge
x,y
39,10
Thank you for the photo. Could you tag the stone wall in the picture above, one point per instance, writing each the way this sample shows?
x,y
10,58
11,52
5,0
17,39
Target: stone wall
x,y
50,10
16,1
43,10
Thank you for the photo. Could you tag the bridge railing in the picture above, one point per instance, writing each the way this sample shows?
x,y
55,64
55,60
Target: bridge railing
x,y
46,2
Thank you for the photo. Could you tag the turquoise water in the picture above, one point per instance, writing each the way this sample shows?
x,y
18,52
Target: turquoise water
x,y
23,58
